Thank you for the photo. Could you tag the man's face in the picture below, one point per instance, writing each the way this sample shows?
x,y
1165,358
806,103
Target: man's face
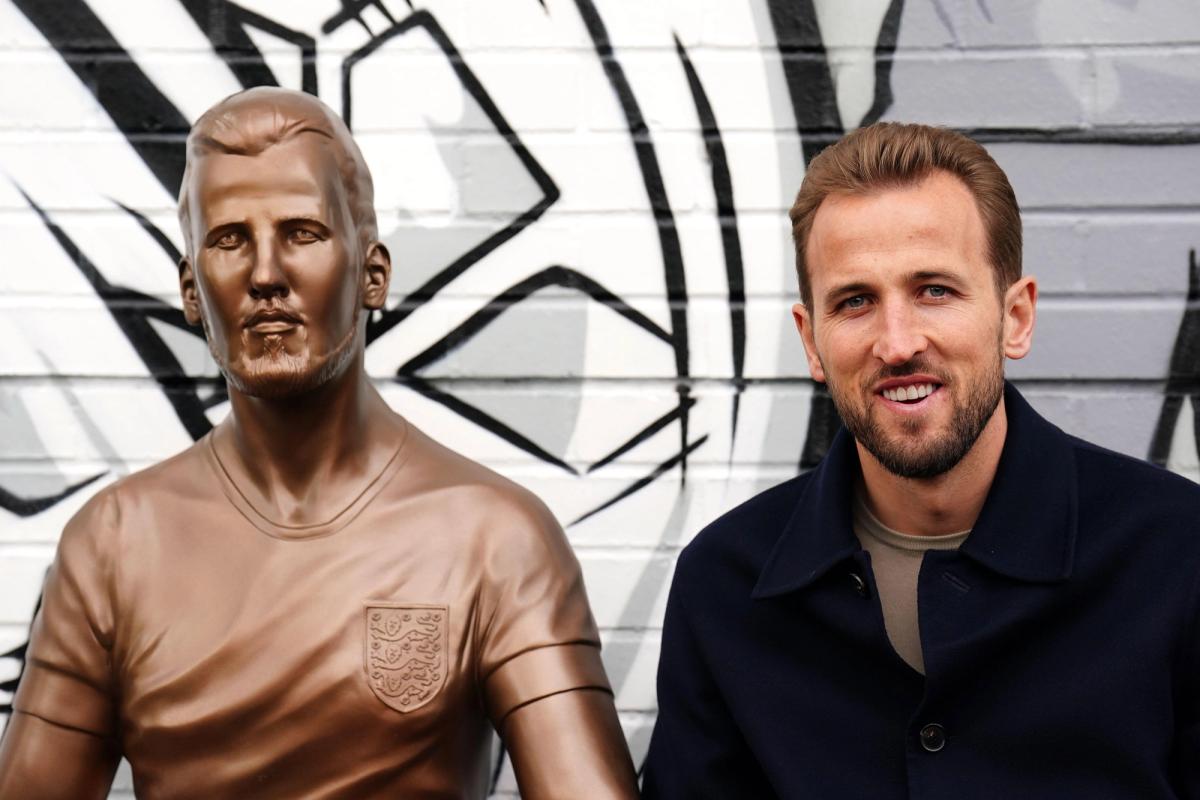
x,y
276,267
906,326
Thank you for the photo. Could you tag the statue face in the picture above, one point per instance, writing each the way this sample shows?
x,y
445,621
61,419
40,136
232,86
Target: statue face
x,y
276,267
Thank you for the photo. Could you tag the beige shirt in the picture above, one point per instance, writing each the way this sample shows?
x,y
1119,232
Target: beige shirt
x,y
896,561
230,656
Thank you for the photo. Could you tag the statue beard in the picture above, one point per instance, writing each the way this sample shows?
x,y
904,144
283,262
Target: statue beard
x,y
274,373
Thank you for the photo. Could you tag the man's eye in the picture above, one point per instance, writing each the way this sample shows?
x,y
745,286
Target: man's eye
x,y
858,301
937,291
229,241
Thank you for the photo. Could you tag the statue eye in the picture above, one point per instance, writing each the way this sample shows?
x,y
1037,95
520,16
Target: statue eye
x,y
304,236
229,240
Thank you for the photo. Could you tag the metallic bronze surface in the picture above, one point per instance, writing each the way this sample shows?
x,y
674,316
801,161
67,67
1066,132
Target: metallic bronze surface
x,y
316,599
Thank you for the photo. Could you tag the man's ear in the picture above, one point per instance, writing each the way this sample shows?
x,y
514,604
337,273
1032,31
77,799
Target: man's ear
x,y
803,319
1020,314
376,276
187,290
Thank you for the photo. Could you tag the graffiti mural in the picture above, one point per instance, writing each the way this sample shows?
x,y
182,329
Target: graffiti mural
x,y
585,203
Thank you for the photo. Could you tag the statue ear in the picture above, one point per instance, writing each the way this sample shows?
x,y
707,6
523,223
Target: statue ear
x,y
187,290
376,276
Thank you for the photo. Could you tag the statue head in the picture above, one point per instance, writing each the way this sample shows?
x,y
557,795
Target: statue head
x,y
282,243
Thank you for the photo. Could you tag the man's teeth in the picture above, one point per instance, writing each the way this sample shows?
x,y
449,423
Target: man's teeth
x,y
912,392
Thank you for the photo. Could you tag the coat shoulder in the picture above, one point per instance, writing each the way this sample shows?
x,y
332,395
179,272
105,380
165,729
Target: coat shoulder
x,y
738,543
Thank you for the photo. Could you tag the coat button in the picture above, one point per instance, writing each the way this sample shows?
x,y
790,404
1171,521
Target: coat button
x,y
933,737
859,584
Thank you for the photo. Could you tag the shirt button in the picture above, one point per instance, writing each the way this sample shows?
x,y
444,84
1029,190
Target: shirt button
x,y
859,584
933,737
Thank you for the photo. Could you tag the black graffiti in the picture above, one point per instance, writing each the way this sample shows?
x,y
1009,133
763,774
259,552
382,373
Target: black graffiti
x,y
656,191
224,23
1183,374
132,311
352,10
387,320
29,506
731,245
153,126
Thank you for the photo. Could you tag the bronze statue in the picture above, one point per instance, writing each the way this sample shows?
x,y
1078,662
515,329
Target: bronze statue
x,y
316,599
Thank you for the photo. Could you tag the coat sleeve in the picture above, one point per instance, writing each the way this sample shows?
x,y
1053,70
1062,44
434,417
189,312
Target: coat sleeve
x,y
697,750
1185,756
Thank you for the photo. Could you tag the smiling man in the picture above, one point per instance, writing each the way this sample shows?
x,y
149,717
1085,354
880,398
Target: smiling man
x,y
961,600
316,600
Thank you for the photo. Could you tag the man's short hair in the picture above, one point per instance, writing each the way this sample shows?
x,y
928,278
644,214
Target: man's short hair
x,y
893,155
249,122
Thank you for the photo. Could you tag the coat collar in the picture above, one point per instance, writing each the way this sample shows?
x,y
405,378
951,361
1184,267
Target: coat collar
x,y
1025,531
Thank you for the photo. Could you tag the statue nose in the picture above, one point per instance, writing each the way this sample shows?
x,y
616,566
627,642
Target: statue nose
x,y
267,278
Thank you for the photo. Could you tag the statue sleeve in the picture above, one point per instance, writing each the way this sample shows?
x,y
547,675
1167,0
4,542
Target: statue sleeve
x,y
68,680
539,638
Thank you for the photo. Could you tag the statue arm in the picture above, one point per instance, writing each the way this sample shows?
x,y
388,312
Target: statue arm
x,y
42,759
61,739
544,683
569,745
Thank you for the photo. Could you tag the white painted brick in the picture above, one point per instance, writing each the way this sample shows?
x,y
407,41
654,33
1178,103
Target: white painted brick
x,y
24,569
631,661
25,76
627,590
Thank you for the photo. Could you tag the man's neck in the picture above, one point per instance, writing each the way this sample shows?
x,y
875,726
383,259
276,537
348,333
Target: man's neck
x,y
301,459
948,503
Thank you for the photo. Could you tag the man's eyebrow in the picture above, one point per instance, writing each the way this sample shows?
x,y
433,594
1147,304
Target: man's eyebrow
x,y
946,276
845,289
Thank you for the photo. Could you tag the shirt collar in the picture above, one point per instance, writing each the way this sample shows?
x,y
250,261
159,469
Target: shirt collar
x,y
1025,531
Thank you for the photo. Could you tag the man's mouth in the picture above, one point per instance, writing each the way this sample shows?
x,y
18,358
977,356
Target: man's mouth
x,y
911,390
910,393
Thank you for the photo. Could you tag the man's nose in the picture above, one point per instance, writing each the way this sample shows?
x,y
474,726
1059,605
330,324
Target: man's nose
x,y
900,335
267,278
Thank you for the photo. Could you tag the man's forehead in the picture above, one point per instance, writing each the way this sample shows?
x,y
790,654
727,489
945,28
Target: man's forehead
x,y
936,218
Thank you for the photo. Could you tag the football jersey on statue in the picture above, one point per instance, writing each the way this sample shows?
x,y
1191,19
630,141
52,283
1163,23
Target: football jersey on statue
x,y
361,657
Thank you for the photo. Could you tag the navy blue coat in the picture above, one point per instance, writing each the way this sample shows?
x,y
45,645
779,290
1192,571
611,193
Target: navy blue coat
x,y
1061,642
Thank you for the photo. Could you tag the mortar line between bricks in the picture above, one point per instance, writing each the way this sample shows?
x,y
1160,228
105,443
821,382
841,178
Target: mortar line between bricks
x,y
16,300
665,49
539,382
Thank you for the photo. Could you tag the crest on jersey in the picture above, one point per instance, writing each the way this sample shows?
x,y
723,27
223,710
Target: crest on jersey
x,y
405,652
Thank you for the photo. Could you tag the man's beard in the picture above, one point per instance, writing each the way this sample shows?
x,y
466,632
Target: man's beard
x,y
903,456
275,374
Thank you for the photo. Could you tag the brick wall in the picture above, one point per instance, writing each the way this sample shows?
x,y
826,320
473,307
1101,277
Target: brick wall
x,y
585,200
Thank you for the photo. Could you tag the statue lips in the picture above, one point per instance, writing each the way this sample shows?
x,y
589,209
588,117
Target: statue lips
x,y
268,321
